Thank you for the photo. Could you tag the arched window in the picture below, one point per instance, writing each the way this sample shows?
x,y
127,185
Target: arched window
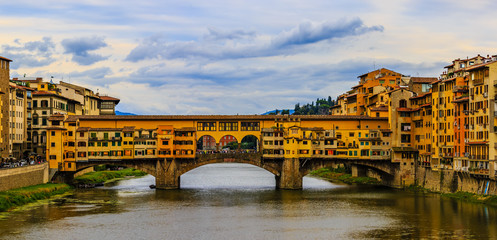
x,y
403,103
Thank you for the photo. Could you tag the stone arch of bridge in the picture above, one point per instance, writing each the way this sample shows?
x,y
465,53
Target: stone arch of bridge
x,y
312,166
145,166
270,168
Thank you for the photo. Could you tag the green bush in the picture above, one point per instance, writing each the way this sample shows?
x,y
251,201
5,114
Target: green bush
x,y
103,176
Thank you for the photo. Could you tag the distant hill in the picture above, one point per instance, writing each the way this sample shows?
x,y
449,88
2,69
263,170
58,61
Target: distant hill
x,y
124,113
273,112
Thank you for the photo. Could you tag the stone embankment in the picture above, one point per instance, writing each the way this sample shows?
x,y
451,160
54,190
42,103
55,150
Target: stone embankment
x,y
11,178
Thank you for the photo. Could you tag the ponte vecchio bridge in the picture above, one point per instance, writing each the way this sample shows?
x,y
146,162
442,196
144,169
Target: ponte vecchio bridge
x,y
169,146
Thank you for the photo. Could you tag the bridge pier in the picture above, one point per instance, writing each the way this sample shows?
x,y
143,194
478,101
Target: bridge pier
x,y
358,171
167,176
290,177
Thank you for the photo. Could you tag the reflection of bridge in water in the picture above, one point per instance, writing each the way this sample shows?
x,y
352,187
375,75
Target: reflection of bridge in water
x,y
288,172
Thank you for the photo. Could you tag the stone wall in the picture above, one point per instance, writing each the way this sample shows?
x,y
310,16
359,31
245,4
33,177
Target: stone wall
x,y
448,181
23,176
84,171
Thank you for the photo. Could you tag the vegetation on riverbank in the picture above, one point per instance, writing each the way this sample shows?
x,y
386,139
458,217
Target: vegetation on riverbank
x,y
343,175
490,200
104,176
21,196
473,198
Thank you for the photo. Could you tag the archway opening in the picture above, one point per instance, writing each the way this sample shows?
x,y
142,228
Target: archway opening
x,y
228,176
228,142
250,142
206,143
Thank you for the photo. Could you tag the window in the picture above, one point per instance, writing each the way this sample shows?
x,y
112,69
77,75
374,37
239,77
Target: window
x,y
52,144
52,133
228,126
69,133
405,138
250,126
206,126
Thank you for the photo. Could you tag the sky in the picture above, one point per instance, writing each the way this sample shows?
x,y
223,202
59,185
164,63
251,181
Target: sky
x,y
236,57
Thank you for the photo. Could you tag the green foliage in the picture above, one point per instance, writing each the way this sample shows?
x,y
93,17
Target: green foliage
x,y
321,107
473,198
21,196
103,176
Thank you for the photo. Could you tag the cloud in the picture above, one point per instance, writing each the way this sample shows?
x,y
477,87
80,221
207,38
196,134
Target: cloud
x,y
30,54
244,44
216,35
309,32
80,47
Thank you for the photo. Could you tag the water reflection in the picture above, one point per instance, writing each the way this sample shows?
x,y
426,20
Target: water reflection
x,y
233,201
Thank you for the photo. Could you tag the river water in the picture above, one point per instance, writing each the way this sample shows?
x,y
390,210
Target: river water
x,y
239,201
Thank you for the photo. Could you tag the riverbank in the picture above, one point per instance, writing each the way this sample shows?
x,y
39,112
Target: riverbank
x,y
20,196
490,200
342,175
100,177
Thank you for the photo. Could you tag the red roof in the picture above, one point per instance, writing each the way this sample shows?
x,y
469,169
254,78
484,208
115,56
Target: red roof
x,y
421,95
5,59
107,98
42,93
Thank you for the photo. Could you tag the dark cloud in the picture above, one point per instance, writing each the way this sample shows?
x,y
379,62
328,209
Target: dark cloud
x,y
30,54
308,32
80,47
245,45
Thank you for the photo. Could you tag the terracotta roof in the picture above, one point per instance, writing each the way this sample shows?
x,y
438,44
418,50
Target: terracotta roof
x,y
356,86
56,117
426,105
185,129
435,82
448,80
221,117
479,66
405,110
71,118
448,66
385,130
128,129
5,59
423,79
83,129
335,106
380,109
464,99
107,98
